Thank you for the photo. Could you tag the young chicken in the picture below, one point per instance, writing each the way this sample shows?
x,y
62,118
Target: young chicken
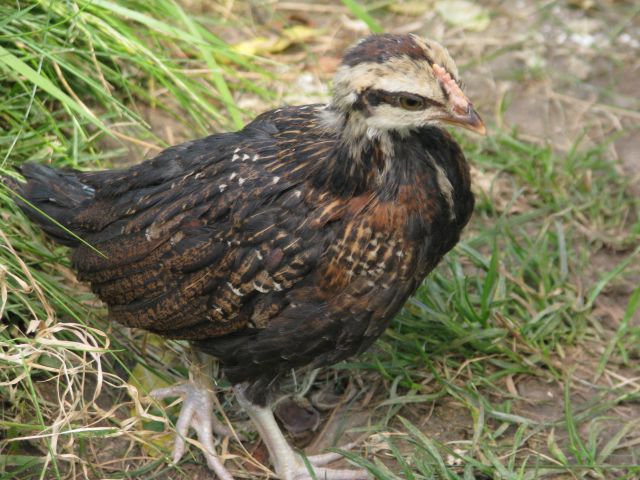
x,y
290,243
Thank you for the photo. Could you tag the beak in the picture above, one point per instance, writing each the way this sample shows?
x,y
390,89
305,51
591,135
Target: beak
x,y
459,110
467,118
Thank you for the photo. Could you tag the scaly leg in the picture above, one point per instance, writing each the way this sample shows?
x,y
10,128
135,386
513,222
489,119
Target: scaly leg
x,y
288,464
197,413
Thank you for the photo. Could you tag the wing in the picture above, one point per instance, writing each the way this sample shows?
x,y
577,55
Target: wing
x,y
208,237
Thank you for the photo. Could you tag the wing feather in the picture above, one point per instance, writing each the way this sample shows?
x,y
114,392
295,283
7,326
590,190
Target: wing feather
x,y
208,237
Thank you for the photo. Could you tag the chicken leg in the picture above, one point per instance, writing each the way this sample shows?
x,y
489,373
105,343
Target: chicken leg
x,y
288,464
197,413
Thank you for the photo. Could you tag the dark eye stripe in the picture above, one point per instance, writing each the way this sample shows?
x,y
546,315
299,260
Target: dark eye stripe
x,y
376,97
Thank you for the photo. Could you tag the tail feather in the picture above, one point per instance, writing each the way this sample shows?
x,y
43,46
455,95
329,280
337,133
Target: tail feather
x,y
52,198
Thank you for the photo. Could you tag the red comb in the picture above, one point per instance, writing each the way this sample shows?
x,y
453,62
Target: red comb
x,y
458,99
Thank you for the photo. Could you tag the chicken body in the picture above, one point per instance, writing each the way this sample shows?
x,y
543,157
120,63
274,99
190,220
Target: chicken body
x,y
292,242
271,248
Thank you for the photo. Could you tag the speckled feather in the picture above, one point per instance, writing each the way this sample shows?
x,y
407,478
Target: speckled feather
x,y
272,247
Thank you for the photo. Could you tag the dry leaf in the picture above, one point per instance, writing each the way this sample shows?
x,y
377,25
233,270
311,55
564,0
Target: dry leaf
x,y
582,4
264,45
297,415
465,14
145,380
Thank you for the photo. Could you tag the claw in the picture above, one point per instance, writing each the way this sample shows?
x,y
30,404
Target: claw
x,y
323,459
289,465
197,413
185,390
331,474
328,473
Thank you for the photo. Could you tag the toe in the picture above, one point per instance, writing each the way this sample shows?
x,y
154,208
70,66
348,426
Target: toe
x,y
326,458
196,413
179,390
331,474
215,464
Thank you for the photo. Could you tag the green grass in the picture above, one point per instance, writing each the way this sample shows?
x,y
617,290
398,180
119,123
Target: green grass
x,y
75,71
518,300
74,78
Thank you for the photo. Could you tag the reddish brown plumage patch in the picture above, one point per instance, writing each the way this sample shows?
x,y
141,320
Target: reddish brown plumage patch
x,y
356,205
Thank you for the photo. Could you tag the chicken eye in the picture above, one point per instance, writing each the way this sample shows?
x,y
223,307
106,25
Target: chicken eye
x,y
411,102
